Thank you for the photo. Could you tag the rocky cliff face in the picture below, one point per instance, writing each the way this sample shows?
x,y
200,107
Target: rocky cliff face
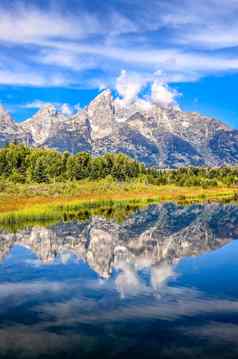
x,y
50,128
151,134
10,132
149,238
47,122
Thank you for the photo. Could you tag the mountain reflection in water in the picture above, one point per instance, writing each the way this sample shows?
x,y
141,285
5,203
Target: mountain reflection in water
x,y
160,284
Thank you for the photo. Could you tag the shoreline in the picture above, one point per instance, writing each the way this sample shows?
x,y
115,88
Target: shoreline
x,y
40,203
16,197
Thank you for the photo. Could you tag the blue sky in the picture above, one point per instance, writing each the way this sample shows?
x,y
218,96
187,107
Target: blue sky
x,y
176,52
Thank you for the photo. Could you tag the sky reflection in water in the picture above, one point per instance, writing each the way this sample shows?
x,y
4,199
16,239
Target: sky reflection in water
x,y
161,284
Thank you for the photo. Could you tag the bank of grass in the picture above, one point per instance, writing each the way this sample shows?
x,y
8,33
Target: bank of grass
x,y
19,196
41,203
49,214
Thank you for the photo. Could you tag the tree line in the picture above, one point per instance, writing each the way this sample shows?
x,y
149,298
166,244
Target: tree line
x,y
21,164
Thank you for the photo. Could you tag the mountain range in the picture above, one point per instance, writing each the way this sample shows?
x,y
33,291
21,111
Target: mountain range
x,y
150,237
156,136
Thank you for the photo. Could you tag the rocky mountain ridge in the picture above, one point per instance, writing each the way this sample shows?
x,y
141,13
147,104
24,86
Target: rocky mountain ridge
x,y
156,136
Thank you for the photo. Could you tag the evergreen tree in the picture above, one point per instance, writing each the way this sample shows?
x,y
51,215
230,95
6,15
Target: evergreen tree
x,y
18,163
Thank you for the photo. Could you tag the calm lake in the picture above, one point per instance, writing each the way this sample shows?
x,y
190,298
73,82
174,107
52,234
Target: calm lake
x,y
162,283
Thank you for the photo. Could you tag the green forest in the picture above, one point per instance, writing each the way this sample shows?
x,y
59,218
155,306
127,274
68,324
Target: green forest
x,y
21,164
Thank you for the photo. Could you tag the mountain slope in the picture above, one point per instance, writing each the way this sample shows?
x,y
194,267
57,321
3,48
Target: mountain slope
x,y
153,135
10,132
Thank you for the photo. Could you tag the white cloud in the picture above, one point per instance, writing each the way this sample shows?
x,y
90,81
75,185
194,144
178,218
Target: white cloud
x,y
33,25
213,37
180,302
33,340
177,65
20,291
128,282
144,104
209,24
162,95
60,58
68,109
81,41
128,86
36,104
21,78
215,331
65,108
68,59
160,275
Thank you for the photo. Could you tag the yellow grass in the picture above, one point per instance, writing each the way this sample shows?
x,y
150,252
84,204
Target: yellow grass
x,y
19,197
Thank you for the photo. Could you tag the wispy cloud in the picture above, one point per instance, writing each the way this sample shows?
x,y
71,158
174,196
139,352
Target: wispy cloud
x,y
215,331
71,45
65,108
34,25
129,86
162,95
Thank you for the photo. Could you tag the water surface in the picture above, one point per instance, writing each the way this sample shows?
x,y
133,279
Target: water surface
x,y
160,284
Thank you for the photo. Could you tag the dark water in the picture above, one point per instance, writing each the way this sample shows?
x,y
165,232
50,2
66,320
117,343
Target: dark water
x,y
162,284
